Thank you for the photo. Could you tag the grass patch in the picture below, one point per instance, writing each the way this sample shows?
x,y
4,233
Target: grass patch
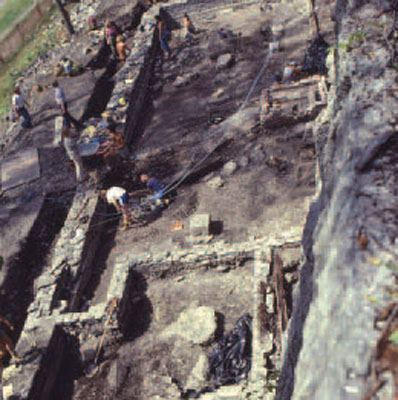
x,y
11,11
41,42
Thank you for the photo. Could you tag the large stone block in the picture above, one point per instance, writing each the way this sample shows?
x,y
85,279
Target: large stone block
x,y
229,393
199,225
197,378
196,325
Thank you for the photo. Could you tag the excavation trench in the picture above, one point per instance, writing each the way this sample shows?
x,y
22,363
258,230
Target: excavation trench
x,y
104,87
156,295
59,368
17,290
101,94
98,243
100,238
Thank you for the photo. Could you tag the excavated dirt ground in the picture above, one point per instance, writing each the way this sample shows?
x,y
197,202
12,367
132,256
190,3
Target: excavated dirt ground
x,y
266,197
157,304
263,198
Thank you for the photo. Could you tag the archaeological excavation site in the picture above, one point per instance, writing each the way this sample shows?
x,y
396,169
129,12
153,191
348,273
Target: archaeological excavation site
x,y
251,250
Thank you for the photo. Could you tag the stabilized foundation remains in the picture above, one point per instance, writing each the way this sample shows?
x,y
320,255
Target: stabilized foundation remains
x,y
71,335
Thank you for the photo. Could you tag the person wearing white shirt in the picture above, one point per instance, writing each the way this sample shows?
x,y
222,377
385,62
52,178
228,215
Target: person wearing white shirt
x,y
118,197
18,104
60,99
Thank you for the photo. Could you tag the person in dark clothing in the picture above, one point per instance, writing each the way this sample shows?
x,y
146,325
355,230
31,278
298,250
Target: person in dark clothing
x,y
161,194
111,33
154,185
164,35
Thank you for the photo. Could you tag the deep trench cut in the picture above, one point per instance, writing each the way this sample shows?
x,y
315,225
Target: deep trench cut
x,y
59,367
17,288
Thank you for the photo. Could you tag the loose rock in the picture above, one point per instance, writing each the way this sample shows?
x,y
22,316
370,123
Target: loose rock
x,y
229,168
196,325
197,379
225,61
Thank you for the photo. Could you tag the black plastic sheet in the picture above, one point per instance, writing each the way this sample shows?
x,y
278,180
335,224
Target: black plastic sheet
x,y
315,57
230,361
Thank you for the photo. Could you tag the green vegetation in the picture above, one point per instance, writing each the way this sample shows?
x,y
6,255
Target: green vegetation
x,y
11,11
394,338
372,299
354,40
42,41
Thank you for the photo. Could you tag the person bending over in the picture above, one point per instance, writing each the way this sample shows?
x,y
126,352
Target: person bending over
x,y
118,197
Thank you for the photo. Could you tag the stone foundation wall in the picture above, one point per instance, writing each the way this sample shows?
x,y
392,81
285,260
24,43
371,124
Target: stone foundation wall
x,y
47,312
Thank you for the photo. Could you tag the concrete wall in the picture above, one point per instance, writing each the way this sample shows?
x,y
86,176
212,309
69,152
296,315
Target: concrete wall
x,y
12,39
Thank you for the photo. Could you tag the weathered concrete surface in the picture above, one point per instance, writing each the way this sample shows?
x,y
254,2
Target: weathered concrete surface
x,y
331,338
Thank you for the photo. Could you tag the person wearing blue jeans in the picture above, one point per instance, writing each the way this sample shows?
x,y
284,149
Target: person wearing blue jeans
x,y
164,35
20,110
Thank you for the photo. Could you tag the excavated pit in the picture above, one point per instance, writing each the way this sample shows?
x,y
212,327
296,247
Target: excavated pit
x,y
155,294
99,242
151,347
59,368
103,89
17,290
101,94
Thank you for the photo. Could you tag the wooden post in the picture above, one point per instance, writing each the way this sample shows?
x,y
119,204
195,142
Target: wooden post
x,y
314,19
66,18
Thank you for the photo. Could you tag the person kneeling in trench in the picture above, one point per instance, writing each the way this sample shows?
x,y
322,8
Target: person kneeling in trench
x,y
118,197
161,195
6,344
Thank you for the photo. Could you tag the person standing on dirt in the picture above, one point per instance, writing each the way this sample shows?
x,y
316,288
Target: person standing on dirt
x,y
92,23
189,29
164,35
18,104
60,99
111,32
6,344
118,197
72,151
121,48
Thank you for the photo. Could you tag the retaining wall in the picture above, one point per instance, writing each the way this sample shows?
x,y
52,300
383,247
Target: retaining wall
x,y
12,39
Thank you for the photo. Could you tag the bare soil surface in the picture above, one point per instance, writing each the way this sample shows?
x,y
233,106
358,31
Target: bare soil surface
x,y
156,306
268,194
